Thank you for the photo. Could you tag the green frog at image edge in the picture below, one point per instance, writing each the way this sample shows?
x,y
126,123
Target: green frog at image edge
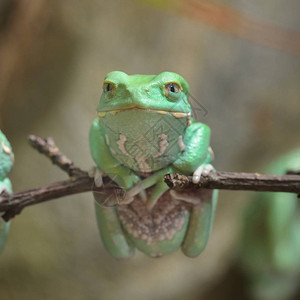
x,y
145,130
6,163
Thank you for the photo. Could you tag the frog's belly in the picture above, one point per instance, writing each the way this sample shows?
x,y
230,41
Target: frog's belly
x,y
158,232
144,140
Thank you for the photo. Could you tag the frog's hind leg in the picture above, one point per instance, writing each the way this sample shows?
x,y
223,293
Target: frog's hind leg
x,y
111,232
200,223
4,228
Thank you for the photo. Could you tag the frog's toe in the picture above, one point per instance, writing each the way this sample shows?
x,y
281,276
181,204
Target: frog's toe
x,y
197,174
129,196
207,169
202,170
98,174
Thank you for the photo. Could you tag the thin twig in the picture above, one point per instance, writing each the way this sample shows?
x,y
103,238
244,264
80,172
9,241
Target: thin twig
x,y
47,147
80,182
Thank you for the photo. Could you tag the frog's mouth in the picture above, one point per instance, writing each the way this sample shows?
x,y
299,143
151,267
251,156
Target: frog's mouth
x,y
176,114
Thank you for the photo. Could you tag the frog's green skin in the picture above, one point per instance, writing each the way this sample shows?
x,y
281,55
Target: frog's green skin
x,y
270,252
6,163
143,131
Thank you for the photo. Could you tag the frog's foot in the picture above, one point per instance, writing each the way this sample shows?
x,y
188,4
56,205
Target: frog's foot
x,y
155,179
156,193
105,197
138,189
129,196
127,199
97,174
202,170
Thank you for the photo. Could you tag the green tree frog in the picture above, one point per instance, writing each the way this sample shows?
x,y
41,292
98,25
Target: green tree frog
x,y
270,253
6,163
145,130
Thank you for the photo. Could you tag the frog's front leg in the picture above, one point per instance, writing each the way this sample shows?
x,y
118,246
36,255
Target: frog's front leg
x,y
196,160
196,152
101,154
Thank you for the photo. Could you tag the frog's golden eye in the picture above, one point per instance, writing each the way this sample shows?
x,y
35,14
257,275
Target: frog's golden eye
x,y
108,86
172,88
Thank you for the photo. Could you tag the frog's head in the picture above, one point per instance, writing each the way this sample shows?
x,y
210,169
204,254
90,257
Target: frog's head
x,y
6,156
164,93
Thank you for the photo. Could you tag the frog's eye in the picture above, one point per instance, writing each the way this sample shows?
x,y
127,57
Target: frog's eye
x,y
108,87
172,90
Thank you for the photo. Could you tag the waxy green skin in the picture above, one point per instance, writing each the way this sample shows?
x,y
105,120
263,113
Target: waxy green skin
x,y
270,253
141,134
6,163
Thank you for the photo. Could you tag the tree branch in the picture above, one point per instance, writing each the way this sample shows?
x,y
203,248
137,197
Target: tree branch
x,y
80,182
14,204
237,181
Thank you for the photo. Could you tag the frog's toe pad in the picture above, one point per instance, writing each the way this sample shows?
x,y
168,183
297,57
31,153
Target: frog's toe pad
x,y
97,174
197,174
202,170
207,169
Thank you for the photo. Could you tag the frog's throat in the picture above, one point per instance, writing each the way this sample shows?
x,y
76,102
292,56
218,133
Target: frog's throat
x,y
176,114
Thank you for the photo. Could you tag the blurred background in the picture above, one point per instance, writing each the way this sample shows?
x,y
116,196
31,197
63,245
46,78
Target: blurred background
x,y
241,59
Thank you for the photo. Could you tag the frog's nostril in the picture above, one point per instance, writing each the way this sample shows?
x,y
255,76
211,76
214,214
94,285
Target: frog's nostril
x,y
147,91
